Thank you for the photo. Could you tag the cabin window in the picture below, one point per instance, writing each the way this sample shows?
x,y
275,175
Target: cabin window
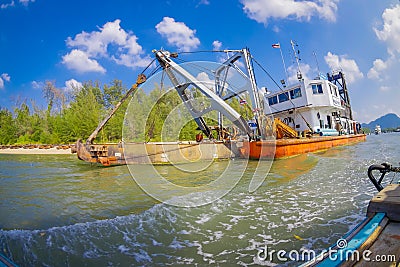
x,y
295,93
317,89
283,97
333,90
272,100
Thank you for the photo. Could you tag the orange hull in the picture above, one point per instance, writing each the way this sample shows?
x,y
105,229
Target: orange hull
x,y
282,148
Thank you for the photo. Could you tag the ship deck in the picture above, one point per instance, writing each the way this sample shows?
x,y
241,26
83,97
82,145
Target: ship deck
x,y
181,152
283,148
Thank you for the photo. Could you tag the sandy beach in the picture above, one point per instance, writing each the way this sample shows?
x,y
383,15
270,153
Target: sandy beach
x,y
36,150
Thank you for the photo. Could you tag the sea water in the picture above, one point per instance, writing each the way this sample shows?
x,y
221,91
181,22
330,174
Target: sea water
x,y
58,211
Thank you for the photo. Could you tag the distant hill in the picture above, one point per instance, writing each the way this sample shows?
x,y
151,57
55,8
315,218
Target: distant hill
x,y
390,120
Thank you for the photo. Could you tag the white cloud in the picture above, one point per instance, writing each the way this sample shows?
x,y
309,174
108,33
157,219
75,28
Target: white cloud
x,y
216,45
276,29
133,61
384,88
383,70
305,72
384,74
205,79
380,68
4,6
72,85
78,60
133,47
95,45
12,3
203,2
37,85
4,78
26,2
390,32
178,34
348,66
263,10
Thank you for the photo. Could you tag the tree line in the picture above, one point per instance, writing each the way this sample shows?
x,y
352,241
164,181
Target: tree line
x,y
74,114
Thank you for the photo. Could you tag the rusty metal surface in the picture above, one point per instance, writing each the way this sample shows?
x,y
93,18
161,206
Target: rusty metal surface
x,y
153,153
105,154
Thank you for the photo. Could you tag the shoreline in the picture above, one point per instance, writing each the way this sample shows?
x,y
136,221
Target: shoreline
x,y
37,149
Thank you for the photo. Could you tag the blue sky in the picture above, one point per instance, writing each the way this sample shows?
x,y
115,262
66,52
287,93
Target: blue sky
x,y
70,42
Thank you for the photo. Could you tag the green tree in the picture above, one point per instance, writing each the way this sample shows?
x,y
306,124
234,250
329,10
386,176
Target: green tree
x,y
366,130
135,120
23,123
8,131
111,96
243,109
162,103
82,116
74,115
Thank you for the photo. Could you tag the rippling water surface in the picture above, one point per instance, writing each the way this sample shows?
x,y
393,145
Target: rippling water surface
x,y
58,211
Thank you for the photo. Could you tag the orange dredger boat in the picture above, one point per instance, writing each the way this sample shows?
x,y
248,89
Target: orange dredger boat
x,y
283,148
305,116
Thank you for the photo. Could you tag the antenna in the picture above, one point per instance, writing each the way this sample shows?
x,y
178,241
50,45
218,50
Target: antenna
x,y
316,60
297,57
278,45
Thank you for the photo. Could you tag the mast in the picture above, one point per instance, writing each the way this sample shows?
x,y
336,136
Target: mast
x,y
299,77
316,61
339,80
297,58
255,97
278,45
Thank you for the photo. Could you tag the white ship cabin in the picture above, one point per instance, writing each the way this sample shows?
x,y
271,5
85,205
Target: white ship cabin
x,y
317,104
